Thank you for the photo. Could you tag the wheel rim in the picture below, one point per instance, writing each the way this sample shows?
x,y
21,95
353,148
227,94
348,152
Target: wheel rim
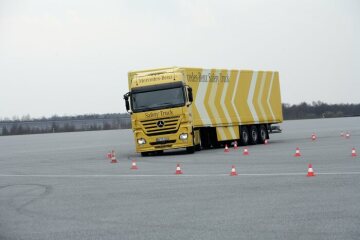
x,y
263,134
254,136
245,137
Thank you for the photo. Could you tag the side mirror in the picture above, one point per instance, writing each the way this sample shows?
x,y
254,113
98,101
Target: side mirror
x,y
190,94
127,104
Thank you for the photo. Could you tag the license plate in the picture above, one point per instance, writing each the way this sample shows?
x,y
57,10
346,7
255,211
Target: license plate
x,y
163,139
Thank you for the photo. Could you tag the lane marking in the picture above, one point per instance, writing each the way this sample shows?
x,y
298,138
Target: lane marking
x,y
170,175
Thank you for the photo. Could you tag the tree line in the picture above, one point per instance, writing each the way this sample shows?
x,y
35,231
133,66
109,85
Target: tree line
x,y
94,122
319,110
56,124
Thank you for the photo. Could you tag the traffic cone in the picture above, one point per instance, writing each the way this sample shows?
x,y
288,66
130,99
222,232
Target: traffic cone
x,y
297,152
266,142
347,135
235,145
226,148
233,171
353,152
133,165
313,136
310,171
178,169
109,155
245,151
113,158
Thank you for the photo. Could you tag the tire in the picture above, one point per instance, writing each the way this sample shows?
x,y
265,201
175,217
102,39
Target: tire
x,y
144,154
244,136
254,135
262,134
198,147
159,152
190,150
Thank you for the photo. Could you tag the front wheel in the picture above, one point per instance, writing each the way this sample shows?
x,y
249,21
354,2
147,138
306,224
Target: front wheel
x,y
152,153
198,147
190,150
145,154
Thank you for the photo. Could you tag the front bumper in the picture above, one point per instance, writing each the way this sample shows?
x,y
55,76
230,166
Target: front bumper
x,y
164,141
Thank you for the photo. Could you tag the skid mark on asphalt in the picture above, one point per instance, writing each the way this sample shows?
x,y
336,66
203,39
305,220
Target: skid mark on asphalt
x,y
33,193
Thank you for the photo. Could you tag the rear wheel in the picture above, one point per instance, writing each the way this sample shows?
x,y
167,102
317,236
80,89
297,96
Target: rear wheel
x,y
244,136
262,134
254,135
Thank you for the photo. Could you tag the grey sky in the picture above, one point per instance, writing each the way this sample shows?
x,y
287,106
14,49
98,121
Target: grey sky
x,y
72,57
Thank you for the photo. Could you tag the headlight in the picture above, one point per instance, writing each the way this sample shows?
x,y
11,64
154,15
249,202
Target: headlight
x,y
183,136
141,141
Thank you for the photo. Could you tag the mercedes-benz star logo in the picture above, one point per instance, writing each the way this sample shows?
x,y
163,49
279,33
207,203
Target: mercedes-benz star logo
x,y
160,124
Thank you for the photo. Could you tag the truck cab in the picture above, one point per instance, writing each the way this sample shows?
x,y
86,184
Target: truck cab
x,y
160,107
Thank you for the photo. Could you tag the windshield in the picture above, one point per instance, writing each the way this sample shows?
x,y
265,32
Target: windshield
x,y
157,99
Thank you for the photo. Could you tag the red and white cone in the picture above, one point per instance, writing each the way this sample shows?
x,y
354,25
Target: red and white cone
x,y
310,171
313,136
266,141
178,169
133,165
235,145
233,171
246,152
353,152
226,148
113,157
347,135
297,152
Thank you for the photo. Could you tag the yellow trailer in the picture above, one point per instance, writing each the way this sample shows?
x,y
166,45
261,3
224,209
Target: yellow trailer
x,y
196,108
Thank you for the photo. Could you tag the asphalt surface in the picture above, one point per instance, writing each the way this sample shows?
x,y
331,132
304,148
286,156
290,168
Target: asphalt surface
x,y
61,186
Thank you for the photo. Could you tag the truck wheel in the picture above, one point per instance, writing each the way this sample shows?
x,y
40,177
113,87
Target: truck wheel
x,y
144,154
254,135
262,134
159,152
244,136
198,147
190,150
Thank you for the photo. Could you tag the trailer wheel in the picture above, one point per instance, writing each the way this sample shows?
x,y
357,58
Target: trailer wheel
x,y
244,136
254,135
262,134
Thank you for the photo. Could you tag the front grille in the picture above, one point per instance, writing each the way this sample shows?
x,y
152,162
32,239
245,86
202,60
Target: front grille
x,y
151,127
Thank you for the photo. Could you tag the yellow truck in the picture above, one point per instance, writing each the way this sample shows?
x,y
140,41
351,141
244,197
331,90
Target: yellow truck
x,y
195,108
